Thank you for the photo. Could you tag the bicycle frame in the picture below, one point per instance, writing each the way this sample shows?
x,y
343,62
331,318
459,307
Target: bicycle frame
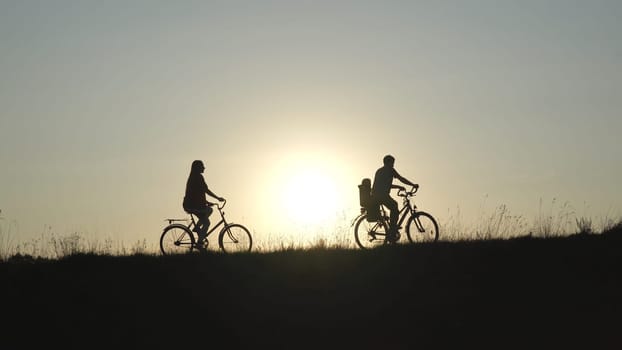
x,y
180,237
221,222
407,208
402,213
418,226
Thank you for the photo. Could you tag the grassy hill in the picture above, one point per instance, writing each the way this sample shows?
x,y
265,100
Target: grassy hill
x,y
516,293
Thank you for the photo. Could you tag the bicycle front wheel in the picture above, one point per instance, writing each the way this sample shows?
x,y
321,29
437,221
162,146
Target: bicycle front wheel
x,y
235,238
422,227
369,234
176,239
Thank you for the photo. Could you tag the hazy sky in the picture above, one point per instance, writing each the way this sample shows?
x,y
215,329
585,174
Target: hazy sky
x,y
105,104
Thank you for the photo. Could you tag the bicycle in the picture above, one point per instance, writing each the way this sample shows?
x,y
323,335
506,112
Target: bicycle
x,y
420,227
178,238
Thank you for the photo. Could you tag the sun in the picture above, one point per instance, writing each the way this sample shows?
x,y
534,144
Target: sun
x,y
309,197
305,195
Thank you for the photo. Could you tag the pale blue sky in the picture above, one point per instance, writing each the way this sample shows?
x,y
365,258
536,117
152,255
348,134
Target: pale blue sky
x,y
104,105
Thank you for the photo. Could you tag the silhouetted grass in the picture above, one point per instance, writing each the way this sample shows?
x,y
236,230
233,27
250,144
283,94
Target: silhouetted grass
x,y
558,219
526,292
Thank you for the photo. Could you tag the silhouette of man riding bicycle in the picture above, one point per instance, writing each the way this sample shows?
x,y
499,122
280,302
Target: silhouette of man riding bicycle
x,y
381,191
374,227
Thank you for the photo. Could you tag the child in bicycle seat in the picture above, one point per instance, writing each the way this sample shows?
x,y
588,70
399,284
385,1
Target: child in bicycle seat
x,y
383,183
195,201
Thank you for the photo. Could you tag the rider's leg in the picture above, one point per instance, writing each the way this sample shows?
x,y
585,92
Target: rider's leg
x,y
197,226
204,220
391,204
203,230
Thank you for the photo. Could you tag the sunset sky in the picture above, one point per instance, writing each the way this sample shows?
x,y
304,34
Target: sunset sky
x,y
105,104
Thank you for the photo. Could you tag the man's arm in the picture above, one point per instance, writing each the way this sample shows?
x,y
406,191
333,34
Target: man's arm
x,y
404,180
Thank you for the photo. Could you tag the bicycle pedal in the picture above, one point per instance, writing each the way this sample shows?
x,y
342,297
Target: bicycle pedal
x,y
393,238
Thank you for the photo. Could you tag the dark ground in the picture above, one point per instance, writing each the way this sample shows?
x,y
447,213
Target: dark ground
x,y
522,293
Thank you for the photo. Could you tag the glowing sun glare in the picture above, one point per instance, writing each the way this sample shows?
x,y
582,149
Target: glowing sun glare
x,y
309,197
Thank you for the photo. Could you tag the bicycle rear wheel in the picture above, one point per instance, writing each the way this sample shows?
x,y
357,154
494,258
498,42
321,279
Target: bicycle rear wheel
x,y
369,234
235,238
422,227
176,239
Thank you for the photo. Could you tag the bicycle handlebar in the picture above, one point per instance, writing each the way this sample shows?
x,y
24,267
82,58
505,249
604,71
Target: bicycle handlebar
x,y
402,192
218,204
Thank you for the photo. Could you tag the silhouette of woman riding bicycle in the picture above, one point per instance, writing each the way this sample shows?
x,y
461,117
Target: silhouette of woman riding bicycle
x,y
178,238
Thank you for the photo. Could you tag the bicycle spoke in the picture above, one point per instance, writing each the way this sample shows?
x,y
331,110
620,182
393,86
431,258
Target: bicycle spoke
x,y
422,227
176,239
369,234
235,238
